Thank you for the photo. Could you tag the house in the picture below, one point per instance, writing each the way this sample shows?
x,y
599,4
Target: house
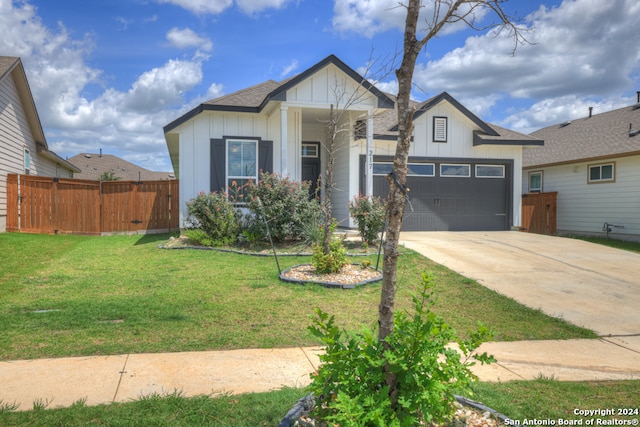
x,y
23,147
464,174
593,163
93,165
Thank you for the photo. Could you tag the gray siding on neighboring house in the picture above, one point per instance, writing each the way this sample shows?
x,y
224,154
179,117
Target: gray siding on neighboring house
x,y
583,208
15,136
17,133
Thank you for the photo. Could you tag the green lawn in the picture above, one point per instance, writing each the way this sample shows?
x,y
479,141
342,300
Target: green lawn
x,y
542,399
75,295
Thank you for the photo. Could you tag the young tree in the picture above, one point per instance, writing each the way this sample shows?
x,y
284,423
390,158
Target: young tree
x,y
445,12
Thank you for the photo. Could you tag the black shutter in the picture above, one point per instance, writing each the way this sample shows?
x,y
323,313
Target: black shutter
x,y
218,165
265,151
363,174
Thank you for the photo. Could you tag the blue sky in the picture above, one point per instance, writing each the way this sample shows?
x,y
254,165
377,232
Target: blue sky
x,y
111,73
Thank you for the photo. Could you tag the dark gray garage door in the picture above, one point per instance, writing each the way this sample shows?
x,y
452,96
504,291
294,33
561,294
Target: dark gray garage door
x,y
452,196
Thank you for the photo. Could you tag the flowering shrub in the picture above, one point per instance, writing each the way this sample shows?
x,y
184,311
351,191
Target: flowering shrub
x,y
369,214
215,216
284,203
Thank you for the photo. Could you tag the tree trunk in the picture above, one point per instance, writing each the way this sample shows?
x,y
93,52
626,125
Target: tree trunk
x,y
397,181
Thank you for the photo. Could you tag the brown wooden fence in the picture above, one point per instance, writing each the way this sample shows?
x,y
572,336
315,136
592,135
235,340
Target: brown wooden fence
x,y
539,213
56,205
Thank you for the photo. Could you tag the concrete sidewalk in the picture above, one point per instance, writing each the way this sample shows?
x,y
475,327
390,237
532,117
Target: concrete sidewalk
x,y
121,378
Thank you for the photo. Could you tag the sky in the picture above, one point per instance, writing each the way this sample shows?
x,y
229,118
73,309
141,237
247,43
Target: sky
x,y
109,74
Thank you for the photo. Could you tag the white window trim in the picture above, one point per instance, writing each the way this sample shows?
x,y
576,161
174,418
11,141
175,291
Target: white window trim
x,y
535,190
491,176
232,177
316,147
455,176
422,164
27,159
440,123
601,180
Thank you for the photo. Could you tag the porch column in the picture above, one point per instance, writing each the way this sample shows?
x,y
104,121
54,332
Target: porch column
x,y
369,158
284,140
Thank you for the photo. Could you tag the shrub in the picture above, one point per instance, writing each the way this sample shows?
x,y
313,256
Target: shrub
x,y
216,216
284,203
350,385
333,262
369,214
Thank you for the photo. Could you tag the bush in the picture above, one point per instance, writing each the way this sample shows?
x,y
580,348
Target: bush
x,y
350,385
369,214
215,216
284,203
333,262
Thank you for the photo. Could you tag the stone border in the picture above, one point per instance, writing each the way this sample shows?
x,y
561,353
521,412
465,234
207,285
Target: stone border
x,y
329,284
305,404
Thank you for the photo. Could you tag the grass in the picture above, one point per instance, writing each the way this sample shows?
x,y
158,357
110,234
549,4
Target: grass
x,y
541,399
76,295
546,398
613,243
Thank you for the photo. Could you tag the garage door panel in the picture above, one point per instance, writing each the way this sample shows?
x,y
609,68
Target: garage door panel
x,y
452,203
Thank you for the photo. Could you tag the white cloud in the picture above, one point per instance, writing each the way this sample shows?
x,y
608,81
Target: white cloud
x,y
253,6
127,123
583,49
215,7
293,66
369,17
203,7
186,38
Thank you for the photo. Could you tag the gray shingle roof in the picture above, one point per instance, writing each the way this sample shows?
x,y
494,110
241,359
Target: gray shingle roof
x,y
92,166
600,136
250,97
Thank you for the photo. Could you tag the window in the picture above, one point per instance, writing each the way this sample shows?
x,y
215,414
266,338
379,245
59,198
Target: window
x,y
310,150
242,157
459,171
421,169
602,173
360,129
27,161
489,171
382,168
535,182
413,169
439,129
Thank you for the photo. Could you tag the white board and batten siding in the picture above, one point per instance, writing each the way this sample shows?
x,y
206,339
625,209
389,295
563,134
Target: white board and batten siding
x,y
195,146
583,207
15,136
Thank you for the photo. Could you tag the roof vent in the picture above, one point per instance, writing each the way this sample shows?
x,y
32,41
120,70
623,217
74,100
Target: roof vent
x,y
590,111
633,132
565,124
635,106
88,156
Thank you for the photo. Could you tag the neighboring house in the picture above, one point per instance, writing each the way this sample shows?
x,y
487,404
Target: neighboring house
x,y
92,166
23,147
593,163
464,174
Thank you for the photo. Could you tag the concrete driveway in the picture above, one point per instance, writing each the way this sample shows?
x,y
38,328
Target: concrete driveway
x,y
586,284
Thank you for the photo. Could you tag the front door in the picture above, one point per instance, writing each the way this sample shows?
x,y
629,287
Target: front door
x,y
311,165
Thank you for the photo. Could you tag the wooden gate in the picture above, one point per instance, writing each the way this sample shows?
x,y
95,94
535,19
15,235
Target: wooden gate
x,y
57,205
539,213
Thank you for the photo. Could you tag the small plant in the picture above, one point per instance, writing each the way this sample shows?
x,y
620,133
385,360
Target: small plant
x,y
350,384
215,216
369,214
365,264
333,262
